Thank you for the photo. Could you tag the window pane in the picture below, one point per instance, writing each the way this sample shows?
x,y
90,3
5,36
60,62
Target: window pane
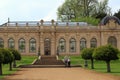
x,y
82,44
32,45
72,45
1,43
93,43
62,45
112,40
22,45
11,43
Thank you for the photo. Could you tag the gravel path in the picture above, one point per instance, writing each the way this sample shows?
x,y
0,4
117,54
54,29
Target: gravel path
x,y
59,74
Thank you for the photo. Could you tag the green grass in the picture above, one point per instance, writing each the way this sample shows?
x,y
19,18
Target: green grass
x,y
24,60
100,66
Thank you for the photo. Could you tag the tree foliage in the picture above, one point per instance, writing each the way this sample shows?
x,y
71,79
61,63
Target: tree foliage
x,y
1,61
106,53
1,56
16,55
117,14
8,57
87,55
75,9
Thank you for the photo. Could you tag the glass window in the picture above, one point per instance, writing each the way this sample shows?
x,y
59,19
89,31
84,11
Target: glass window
x,y
11,43
112,40
32,45
1,43
22,45
72,45
62,44
82,43
93,43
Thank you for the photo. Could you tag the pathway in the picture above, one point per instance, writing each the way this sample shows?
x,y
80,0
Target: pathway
x,y
59,74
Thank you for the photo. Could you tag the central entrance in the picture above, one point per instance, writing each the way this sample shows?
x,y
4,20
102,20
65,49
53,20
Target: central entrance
x,y
47,47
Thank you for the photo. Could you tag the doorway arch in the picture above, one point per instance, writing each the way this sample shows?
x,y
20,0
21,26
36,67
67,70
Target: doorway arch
x,y
47,47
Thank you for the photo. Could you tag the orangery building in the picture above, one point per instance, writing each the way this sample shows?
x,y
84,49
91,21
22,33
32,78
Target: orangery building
x,y
54,37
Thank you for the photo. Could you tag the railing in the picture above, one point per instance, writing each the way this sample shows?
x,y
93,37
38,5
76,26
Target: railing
x,y
46,25
43,23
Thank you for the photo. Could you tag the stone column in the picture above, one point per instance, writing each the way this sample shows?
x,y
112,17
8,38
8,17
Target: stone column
x,y
118,42
78,46
67,45
27,46
16,43
88,43
53,47
6,42
41,46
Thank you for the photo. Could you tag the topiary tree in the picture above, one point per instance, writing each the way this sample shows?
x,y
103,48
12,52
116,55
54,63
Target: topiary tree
x,y
8,57
87,55
1,61
106,53
16,55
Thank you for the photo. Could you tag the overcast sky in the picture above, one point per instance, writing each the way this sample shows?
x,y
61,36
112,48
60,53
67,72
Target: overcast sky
x,y
35,10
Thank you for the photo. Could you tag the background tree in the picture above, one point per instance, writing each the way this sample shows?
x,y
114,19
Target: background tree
x,y
87,55
16,55
1,61
117,14
8,57
101,10
106,53
76,9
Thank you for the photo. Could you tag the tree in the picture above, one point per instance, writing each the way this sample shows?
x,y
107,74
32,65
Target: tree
x,y
16,55
87,54
1,61
106,53
117,14
76,9
101,10
8,57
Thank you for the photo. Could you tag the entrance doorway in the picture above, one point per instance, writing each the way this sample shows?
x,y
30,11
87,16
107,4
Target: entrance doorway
x,y
47,47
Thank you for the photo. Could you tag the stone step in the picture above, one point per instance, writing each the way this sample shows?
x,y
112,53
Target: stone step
x,y
41,66
48,60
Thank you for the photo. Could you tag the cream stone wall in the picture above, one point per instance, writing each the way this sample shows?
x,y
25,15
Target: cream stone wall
x,y
54,33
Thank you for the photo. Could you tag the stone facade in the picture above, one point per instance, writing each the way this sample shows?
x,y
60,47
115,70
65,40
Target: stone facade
x,y
46,36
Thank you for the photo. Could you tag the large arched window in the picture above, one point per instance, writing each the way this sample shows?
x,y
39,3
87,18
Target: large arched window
x,y
22,45
113,41
72,45
1,43
62,44
32,45
93,43
82,43
11,43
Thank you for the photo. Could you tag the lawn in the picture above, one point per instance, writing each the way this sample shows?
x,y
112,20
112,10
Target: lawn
x,y
100,66
24,60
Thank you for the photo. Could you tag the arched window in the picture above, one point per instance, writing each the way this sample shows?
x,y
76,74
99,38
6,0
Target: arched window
x,y
112,40
82,43
11,43
32,45
72,45
1,43
62,45
22,45
93,43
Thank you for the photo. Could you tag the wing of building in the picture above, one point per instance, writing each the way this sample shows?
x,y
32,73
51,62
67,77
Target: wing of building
x,y
51,38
